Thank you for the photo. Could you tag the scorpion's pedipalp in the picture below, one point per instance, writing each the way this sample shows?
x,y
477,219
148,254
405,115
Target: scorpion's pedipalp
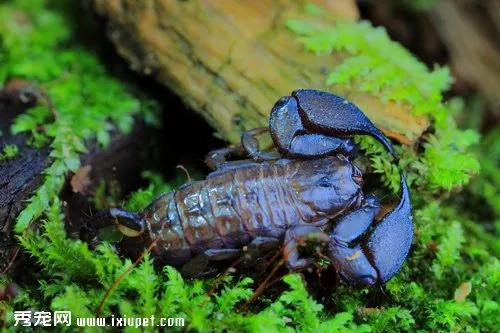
x,y
390,242
285,123
379,258
351,262
318,145
293,140
329,114
356,222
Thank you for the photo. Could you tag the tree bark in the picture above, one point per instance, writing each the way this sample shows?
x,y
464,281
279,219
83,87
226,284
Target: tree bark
x,y
230,61
19,176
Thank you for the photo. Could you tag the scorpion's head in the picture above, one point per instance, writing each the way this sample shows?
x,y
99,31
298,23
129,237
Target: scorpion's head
x,y
328,186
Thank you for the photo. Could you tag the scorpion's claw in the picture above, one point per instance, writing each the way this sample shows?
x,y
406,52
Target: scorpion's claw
x,y
391,240
307,124
379,258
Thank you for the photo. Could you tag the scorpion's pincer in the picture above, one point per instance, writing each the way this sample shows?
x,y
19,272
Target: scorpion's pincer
x,y
380,257
390,242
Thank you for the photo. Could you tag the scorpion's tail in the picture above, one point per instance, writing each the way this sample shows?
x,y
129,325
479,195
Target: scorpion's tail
x,y
128,223
381,255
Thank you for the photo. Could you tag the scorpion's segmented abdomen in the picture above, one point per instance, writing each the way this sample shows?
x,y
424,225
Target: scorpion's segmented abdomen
x,y
227,210
210,214
223,192
196,216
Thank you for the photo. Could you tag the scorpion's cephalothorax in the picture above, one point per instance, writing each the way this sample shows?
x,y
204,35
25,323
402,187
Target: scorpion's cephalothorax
x,y
232,207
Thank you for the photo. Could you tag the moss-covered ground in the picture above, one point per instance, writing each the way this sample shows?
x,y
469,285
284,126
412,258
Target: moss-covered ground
x,y
450,281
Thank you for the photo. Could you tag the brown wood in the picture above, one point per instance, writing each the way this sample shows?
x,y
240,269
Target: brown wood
x,y
231,60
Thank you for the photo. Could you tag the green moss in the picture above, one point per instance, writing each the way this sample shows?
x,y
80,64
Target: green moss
x,y
143,197
451,246
36,45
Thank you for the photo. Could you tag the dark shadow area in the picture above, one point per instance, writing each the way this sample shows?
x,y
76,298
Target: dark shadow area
x,y
411,28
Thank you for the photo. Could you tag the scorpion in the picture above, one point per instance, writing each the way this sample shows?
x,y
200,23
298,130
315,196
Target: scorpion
x,y
305,187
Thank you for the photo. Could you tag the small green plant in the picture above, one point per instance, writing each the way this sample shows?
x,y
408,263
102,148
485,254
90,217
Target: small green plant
x,y
9,151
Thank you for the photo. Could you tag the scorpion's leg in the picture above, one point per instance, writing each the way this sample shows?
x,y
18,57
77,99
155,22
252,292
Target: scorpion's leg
x,y
216,159
199,263
294,237
380,257
253,251
251,145
259,247
312,123
128,223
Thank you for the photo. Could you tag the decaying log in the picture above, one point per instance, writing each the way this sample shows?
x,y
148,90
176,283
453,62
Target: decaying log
x,y
23,174
231,60
19,176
